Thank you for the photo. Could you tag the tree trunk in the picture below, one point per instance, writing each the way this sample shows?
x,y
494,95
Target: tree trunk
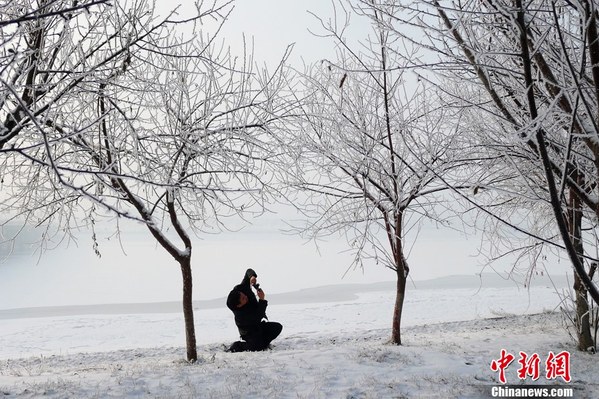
x,y
190,335
582,324
399,299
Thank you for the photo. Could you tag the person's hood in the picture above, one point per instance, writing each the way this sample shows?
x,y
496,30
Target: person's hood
x,y
249,273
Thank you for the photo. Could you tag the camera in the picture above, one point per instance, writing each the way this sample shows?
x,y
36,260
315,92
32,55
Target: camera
x,y
257,287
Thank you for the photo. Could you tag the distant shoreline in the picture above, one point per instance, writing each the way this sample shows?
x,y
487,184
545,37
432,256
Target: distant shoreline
x,y
323,294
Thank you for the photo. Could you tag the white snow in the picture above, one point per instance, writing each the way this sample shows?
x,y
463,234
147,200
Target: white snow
x,y
334,345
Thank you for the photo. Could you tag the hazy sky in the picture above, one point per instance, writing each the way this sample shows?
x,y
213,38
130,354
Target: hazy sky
x,y
74,275
275,24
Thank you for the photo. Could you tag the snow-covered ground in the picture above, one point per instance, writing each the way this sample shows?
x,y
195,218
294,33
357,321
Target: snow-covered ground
x,y
334,345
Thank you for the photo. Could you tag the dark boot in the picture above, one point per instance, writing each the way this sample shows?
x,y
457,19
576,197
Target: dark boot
x,y
237,346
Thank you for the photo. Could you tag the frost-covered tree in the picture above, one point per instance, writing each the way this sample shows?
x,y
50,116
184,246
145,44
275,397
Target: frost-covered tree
x,y
50,50
371,147
154,124
52,53
532,73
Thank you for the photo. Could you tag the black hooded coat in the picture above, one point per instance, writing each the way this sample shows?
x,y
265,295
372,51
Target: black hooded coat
x,y
248,317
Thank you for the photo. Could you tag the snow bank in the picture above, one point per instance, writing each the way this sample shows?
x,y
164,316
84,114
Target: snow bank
x,y
336,349
449,360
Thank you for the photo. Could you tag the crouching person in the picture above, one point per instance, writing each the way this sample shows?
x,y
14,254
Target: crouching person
x,y
250,313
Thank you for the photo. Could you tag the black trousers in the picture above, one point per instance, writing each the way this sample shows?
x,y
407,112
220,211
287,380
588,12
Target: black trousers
x,y
258,339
